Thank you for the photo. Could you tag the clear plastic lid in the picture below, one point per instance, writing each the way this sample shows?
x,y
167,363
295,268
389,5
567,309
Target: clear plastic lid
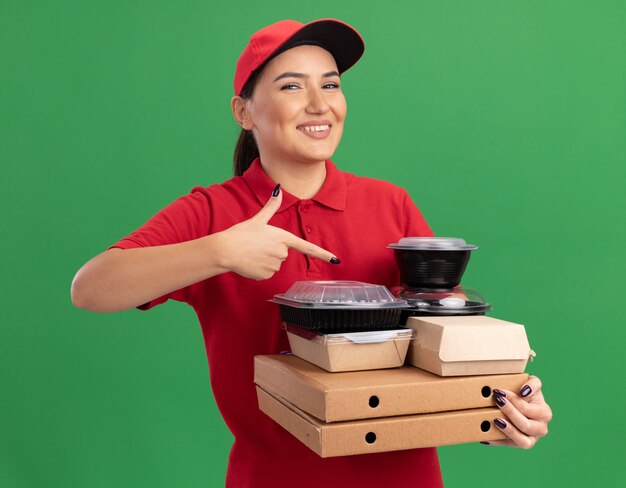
x,y
458,300
433,244
338,294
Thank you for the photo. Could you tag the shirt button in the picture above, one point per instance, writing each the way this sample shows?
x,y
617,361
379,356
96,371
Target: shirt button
x,y
304,208
308,229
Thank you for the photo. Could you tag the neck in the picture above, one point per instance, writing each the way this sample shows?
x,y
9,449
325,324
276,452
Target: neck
x,y
301,180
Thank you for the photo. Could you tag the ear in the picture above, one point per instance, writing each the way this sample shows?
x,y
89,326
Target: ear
x,y
240,112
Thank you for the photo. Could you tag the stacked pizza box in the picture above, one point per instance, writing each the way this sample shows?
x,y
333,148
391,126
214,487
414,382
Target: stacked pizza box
x,y
374,371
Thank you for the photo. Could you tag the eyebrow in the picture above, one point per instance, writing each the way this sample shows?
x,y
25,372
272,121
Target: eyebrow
x,y
292,74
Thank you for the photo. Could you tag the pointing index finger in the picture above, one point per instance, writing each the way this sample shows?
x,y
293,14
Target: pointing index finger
x,y
308,248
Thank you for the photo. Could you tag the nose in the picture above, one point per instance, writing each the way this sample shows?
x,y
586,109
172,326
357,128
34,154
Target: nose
x,y
317,102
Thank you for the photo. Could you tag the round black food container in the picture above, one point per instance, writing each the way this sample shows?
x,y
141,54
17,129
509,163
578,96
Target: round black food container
x,y
431,262
339,321
459,301
330,307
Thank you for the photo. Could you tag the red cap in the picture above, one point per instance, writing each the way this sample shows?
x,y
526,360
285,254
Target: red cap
x,y
338,38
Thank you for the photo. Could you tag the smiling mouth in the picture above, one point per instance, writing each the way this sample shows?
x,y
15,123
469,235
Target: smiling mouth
x,y
321,131
314,128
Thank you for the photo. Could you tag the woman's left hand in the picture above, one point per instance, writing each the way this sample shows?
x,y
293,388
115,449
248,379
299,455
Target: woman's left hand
x,y
525,415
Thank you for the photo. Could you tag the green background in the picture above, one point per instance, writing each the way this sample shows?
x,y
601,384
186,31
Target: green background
x,y
505,120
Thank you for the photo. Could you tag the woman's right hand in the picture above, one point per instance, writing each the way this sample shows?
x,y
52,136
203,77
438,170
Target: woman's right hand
x,y
254,249
121,279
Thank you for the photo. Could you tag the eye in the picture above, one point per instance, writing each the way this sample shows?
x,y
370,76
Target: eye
x,y
331,85
290,86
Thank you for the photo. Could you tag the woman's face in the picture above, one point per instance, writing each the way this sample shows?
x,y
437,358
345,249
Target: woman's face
x,y
297,109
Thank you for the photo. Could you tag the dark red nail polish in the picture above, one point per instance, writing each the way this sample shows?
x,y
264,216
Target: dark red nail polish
x,y
276,190
500,423
497,392
527,390
335,261
501,402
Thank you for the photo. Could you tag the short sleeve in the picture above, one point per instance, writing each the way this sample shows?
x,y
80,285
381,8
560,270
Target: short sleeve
x,y
415,224
185,219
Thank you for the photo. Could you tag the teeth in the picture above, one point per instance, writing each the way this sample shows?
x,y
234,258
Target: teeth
x,y
315,128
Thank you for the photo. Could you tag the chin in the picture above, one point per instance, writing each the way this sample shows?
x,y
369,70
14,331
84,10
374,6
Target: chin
x,y
316,158
320,155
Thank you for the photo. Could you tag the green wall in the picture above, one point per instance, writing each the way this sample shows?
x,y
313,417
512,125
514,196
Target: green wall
x,y
505,120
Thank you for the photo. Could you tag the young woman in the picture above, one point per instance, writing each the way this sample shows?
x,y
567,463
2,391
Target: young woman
x,y
288,214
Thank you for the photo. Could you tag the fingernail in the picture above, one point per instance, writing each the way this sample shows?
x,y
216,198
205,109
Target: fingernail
x,y
499,392
501,402
484,442
276,190
500,423
335,261
527,390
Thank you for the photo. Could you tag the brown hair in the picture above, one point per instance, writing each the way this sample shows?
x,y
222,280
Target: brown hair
x,y
246,149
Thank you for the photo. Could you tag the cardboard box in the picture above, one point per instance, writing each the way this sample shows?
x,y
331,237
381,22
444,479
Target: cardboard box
x,y
468,345
383,434
334,397
351,352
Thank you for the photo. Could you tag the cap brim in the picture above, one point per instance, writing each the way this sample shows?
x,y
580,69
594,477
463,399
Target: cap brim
x,y
339,39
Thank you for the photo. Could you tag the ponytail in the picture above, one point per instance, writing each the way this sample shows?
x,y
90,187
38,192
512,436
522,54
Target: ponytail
x,y
246,151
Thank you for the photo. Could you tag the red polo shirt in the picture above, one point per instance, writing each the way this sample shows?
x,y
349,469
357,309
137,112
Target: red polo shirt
x,y
353,217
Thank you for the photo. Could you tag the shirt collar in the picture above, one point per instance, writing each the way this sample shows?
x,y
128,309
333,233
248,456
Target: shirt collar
x,y
332,194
